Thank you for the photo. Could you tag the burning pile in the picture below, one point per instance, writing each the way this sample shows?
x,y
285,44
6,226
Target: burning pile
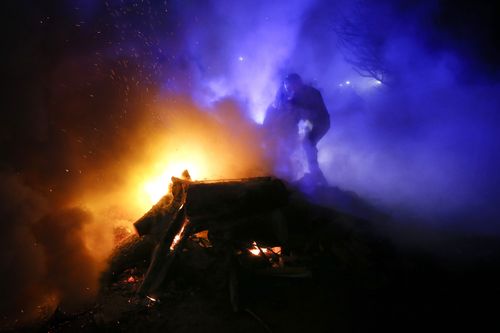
x,y
244,220
230,213
255,240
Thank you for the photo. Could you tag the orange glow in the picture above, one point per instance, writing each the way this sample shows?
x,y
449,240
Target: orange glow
x,y
164,140
254,250
114,165
157,184
217,145
179,235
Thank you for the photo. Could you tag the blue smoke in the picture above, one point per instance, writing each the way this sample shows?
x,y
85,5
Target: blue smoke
x,y
419,137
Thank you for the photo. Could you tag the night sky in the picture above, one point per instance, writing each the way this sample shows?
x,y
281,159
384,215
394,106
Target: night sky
x,y
91,87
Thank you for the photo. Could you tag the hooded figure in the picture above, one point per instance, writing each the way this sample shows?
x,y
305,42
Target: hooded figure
x,y
299,114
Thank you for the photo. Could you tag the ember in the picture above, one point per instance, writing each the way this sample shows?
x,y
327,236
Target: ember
x,y
257,250
151,298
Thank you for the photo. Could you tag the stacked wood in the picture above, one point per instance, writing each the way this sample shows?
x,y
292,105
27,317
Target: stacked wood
x,y
195,206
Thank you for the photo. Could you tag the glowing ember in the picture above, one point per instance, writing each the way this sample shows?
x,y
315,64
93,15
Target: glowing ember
x,y
202,234
151,298
179,235
255,249
131,279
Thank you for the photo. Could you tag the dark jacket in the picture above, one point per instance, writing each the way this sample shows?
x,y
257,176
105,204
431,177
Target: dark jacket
x,y
284,114
310,105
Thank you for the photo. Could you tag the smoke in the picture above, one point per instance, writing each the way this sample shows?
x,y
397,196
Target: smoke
x,y
90,138
59,235
245,46
107,100
20,209
94,173
39,253
419,144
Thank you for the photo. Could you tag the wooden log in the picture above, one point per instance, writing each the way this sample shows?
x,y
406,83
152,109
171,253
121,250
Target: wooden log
x,y
161,215
200,206
235,199
149,221
214,200
163,256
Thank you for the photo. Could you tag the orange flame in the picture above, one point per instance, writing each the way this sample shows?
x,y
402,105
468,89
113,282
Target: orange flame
x,y
219,144
255,249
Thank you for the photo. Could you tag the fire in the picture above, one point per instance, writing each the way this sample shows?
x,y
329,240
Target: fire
x,y
219,144
179,235
157,186
156,178
256,250
212,145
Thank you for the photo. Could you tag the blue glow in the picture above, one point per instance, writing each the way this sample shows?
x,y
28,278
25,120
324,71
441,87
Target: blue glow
x,y
425,142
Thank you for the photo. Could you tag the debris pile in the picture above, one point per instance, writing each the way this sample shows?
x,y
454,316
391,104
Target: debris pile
x,y
231,255
255,255
243,221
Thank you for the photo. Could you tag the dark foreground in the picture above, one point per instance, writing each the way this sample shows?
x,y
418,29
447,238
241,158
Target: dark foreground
x,y
360,281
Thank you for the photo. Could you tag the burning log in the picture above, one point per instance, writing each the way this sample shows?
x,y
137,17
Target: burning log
x,y
164,255
232,240
198,206
157,219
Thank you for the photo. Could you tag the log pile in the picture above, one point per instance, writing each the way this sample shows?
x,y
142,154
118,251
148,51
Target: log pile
x,y
234,214
246,239
228,236
251,253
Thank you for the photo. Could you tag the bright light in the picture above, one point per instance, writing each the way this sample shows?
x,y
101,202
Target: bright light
x,y
157,186
240,58
216,145
347,82
179,235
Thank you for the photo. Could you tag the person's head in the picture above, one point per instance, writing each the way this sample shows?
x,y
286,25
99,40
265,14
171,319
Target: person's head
x,y
292,83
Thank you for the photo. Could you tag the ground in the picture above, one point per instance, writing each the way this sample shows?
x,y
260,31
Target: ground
x,y
360,281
